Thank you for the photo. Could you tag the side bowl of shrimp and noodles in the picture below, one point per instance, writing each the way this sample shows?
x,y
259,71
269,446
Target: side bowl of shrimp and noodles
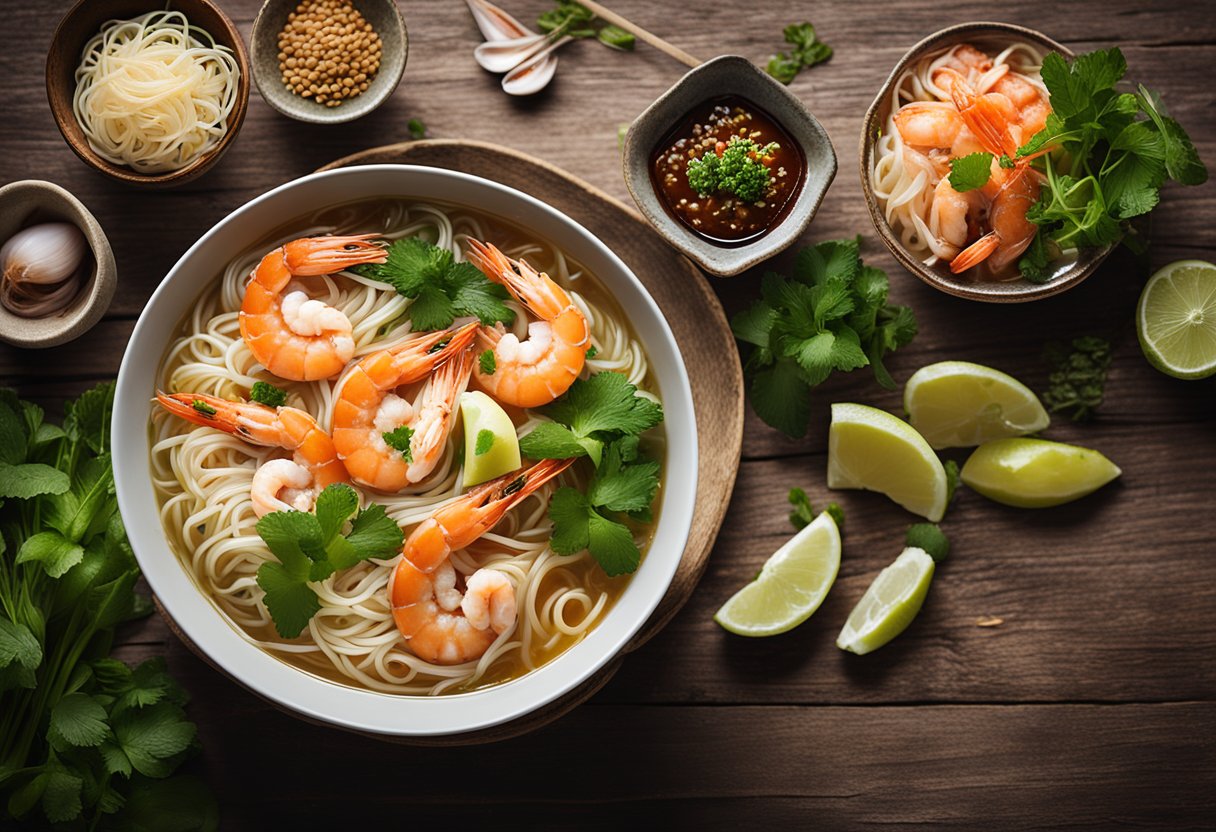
x,y
974,88
291,463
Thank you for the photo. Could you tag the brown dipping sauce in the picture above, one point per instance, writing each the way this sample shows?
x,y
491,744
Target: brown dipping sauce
x,y
723,219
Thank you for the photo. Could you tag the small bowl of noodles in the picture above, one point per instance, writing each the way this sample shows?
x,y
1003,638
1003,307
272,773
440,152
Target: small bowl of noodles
x,y
971,90
151,95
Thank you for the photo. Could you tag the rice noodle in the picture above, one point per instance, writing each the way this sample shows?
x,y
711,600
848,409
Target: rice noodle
x,y
154,93
202,476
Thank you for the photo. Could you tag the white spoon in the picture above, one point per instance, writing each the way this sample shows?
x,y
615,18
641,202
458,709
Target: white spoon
x,y
504,55
494,23
535,73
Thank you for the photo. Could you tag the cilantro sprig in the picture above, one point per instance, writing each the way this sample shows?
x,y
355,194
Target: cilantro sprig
x,y
832,315
737,168
807,50
1111,152
441,288
311,547
399,440
600,418
970,172
577,21
264,393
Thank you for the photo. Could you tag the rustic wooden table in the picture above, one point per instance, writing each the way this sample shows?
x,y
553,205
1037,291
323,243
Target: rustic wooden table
x,y
1092,705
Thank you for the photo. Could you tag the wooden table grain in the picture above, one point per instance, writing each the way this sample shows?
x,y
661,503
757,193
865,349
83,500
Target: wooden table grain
x,y
1090,706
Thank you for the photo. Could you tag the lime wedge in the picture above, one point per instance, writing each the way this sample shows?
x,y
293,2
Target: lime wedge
x,y
491,447
869,448
890,603
791,585
957,404
1035,473
1176,319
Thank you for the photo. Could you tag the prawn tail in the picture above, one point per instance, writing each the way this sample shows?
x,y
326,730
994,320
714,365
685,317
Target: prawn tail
x,y
214,412
976,253
326,255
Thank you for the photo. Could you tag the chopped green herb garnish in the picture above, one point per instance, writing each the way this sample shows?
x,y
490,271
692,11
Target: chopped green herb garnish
x,y
417,128
592,352
440,288
737,168
203,408
267,394
970,172
929,536
485,441
832,315
311,547
1078,377
577,21
399,440
807,50
487,363
804,513
953,478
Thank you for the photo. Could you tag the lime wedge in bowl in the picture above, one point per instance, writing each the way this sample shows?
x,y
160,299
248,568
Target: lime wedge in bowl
x,y
890,603
1176,319
871,449
491,448
791,584
1036,473
957,404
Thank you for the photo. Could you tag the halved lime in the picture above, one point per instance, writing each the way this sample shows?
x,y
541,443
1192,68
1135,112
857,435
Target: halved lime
x,y
957,404
1176,319
869,448
491,446
791,585
890,603
1036,473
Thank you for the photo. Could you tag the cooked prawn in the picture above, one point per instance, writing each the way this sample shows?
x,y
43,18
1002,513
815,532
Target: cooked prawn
x,y
293,336
367,407
1011,232
955,216
444,632
538,370
278,484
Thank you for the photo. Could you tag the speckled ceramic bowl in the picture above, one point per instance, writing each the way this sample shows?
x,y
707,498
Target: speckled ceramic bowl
x,y
989,37
384,17
32,201
729,75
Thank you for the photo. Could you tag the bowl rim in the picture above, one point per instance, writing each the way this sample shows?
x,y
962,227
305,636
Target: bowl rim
x,y
312,696
91,306
328,115
1026,291
65,120
787,231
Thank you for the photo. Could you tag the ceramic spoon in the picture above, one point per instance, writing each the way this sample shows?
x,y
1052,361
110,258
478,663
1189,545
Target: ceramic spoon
x,y
535,73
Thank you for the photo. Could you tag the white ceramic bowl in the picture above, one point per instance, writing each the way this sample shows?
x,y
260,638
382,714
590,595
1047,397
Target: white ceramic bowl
x,y
225,644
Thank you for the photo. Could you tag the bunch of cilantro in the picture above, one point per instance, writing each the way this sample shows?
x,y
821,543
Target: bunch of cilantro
x,y
600,418
1110,154
441,288
312,546
831,315
84,739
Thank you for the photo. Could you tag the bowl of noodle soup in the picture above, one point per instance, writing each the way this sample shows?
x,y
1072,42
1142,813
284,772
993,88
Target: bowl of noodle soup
x,y
900,196
184,492
148,94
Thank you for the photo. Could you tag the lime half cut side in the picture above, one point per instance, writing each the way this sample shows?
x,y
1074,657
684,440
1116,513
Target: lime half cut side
x,y
1176,319
890,603
957,404
871,449
791,585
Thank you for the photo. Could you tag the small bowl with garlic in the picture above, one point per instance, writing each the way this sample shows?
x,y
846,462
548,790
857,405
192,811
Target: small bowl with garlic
x,y
57,272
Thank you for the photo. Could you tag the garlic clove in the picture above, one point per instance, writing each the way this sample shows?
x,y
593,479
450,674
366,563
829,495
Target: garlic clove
x,y
47,253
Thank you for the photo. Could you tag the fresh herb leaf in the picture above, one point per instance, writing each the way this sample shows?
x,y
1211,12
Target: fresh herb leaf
x,y
203,408
736,167
577,21
31,479
807,50
929,536
487,363
953,478
593,411
417,128
622,484
441,289
970,172
803,512
577,526
592,352
831,316
1078,377
615,37
549,440
267,394
485,441
54,552
399,440
78,720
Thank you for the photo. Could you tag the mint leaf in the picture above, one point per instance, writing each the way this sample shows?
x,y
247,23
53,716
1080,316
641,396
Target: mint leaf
x,y
53,551
12,436
87,419
87,505
970,172
929,536
267,394
31,479
78,720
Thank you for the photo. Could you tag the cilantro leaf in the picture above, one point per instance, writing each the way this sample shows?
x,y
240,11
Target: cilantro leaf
x,y
267,394
549,440
154,738
605,403
292,603
807,51
334,505
487,363
779,397
578,526
485,441
569,510
621,485
929,536
738,168
803,512
754,324
970,172
295,537
1181,158
399,440
417,128
475,295
373,534
78,720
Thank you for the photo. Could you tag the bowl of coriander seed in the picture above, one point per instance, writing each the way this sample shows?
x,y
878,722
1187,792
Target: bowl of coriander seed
x,y
328,61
